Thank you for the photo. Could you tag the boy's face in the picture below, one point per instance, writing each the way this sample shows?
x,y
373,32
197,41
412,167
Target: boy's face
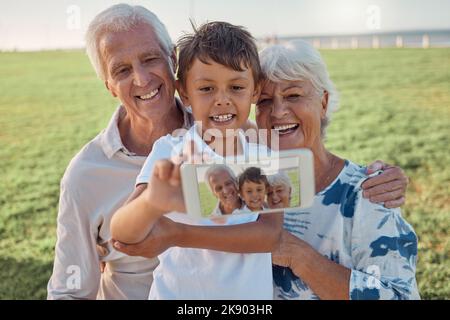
x,y
253,194
279,196
220,97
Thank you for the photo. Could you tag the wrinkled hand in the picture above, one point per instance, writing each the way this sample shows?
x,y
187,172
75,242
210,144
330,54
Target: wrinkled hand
x,y
160,238
389,187
285,254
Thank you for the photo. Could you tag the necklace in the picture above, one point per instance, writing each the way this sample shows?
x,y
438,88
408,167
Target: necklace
x,y
323,182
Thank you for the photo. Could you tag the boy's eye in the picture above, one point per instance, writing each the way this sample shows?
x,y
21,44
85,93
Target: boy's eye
x,y
206,89
237,88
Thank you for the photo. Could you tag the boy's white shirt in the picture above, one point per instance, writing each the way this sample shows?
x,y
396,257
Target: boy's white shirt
x,y
186,273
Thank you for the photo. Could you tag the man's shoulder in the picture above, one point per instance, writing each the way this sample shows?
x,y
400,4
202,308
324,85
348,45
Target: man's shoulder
x,y
90,156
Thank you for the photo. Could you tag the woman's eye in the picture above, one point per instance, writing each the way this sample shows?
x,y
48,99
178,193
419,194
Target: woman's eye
x,y
293,97
264,102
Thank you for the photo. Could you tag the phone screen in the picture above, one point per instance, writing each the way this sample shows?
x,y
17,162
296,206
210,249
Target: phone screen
x,y
265,186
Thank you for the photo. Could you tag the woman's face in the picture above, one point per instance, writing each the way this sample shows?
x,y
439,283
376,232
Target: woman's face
x,y
293,111
279,196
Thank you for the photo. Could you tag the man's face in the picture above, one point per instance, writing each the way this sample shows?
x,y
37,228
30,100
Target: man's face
x,y
138,72
253,195
224,188
220,97
279,196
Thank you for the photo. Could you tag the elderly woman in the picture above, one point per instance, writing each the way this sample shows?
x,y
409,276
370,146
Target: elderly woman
x,y
344,246
280,191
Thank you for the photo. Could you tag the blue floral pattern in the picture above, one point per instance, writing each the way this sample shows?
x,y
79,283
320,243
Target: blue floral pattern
x,y
376,243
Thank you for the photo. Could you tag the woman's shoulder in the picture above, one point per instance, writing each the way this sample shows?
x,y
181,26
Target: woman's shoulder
x,y
345,190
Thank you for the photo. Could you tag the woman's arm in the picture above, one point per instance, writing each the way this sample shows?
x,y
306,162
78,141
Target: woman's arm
x,y
327,279
384,251
262,235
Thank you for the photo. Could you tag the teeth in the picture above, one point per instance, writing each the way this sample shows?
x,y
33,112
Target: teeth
x,y
284,127
150,95
223,118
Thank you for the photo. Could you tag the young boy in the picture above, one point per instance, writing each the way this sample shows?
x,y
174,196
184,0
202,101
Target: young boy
x,y
218,76
253,188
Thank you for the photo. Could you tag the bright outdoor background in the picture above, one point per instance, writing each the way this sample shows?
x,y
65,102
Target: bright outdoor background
x,y
395,106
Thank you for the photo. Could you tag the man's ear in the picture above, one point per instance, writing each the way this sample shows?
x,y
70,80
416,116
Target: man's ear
x,y
111,90
256,93
173,59
323,113
182,93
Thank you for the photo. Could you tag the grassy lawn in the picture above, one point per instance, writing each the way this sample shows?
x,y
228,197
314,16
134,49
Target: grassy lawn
x,y
395,106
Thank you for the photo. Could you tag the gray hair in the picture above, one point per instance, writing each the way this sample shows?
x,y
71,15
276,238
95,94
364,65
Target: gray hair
x,y
218,168
280,178
117,18
299,61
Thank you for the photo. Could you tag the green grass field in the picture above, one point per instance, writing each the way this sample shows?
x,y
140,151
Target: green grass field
x,y
395,106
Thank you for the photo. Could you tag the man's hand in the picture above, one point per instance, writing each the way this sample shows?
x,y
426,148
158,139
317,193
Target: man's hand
x,y
389,187
161,237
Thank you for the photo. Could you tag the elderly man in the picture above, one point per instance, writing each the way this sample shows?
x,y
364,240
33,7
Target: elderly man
x,y
222,183
133,54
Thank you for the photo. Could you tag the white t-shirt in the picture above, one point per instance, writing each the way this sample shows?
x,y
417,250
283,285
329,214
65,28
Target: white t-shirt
x,y
185,273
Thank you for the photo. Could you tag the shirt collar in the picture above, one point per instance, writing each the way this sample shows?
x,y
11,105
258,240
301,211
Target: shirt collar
x,y
110,138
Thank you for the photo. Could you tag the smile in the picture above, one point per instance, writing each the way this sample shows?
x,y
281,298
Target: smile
x,y
149,95
285,128
223,118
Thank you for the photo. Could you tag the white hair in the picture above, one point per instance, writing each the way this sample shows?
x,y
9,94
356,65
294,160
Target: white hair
x,y
119,18
280,178
299,61
218,168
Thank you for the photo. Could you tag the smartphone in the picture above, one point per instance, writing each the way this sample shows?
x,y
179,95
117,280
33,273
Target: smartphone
x,y
283,180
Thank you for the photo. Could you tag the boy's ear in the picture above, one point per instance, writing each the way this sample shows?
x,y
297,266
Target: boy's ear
x,y
182,92
256,93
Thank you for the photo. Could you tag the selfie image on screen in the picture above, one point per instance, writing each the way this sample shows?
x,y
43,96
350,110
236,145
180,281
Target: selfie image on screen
x,y
243,188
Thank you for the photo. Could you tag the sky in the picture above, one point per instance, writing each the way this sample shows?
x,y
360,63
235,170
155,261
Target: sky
x,y
51,24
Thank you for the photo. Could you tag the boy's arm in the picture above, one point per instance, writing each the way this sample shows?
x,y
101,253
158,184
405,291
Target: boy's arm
x,y
132,222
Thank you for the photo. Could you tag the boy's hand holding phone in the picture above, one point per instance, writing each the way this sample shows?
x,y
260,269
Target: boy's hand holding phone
x,y
164,188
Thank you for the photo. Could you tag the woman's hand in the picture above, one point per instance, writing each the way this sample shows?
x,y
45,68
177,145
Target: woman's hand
x,y
389,187
285,255
161,237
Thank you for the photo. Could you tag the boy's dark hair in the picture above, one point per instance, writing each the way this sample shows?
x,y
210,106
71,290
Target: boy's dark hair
x,y
252,174
226,44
